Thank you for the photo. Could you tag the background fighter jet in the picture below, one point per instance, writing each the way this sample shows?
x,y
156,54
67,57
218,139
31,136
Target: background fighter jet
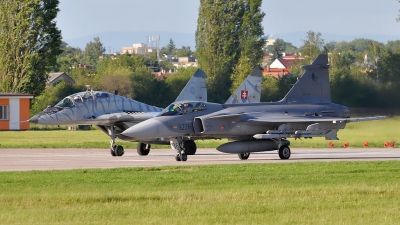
x,y
114,114
306,111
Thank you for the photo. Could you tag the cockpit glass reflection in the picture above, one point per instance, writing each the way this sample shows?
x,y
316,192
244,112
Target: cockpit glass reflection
x,y
181,108
66,103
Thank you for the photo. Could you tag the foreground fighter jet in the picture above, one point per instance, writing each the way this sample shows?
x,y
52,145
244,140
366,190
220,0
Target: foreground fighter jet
x,y
305,112
114,114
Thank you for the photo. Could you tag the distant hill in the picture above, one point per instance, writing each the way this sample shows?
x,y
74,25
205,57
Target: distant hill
x,y
296,38
114,41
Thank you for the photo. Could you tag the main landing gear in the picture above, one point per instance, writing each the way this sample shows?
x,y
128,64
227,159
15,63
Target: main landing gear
x,y
115,150
284,152
189,148
244,156
143,149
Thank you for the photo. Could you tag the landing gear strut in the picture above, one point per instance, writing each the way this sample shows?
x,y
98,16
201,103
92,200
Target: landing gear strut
x,y
283,148
143,149
115,150
176,144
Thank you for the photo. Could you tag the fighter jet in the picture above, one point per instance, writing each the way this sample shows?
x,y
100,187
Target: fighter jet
x,y
305,112
114,114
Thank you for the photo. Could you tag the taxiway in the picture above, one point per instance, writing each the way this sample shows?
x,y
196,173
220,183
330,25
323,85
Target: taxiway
x,y
61,159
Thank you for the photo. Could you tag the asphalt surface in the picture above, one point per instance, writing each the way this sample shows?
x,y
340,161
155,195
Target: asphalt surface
x,y
63,159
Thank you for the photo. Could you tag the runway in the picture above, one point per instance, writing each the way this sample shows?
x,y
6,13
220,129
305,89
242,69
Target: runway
x,y
64,159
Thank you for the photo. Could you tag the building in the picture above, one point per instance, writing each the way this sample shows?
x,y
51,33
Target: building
x,y
184,62
54,78
14,108
142,49
270,40
279,67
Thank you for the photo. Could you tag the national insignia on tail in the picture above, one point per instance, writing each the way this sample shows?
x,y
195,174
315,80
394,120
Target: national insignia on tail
x,y
244,95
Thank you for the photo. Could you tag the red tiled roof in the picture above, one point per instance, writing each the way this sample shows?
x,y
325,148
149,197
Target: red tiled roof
x,y
288,62
2,94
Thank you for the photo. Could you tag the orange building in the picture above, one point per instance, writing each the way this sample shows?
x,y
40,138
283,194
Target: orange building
x,y
14,108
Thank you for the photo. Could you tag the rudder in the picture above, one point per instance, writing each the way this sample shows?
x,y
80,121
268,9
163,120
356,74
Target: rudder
x,y
195,89
250,89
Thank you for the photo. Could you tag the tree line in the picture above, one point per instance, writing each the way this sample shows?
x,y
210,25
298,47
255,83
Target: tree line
x,y
229,44
363,72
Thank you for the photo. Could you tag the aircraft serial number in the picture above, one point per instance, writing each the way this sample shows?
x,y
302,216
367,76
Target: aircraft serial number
x,y
184,126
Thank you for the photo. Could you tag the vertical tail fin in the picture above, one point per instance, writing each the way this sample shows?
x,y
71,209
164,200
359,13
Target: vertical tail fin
x,y
195,89
313,85
250,89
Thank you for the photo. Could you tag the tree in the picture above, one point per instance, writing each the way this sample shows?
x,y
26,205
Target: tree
x,y
150,90
68,59
289,48
398,17
178,81
277,49
286,47
29,44
393,46
274,89
227,31
93,51
184,52
313,45
170,47
240,72
119,82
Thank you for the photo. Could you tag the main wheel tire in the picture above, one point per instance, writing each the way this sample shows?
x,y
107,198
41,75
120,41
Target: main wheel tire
x,y
244,156
142,150
112,152
177,157
189,147
284,152
119,150
184,157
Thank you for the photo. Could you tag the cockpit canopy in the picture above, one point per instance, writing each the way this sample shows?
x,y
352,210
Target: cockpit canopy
x,y
72,100
180,108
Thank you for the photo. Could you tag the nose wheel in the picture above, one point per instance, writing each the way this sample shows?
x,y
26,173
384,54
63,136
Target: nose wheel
x,y
181,157
115,150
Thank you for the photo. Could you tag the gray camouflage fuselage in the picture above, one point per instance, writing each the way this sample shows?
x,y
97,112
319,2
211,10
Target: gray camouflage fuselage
x,y
206,124
94,108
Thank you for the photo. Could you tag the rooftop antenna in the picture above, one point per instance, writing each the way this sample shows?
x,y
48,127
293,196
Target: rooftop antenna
x,y
156,41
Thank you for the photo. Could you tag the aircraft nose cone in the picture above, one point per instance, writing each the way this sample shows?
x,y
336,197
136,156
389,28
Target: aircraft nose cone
x,y
34,119
147,129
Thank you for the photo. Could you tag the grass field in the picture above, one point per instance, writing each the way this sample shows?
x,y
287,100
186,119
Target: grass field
x,y
374,132
290,193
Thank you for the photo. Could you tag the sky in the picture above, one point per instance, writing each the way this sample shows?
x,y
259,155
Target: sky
x,y
81,18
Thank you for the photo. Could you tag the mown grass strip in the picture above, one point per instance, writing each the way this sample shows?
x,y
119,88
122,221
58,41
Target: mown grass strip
x,y
292,193
373,132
